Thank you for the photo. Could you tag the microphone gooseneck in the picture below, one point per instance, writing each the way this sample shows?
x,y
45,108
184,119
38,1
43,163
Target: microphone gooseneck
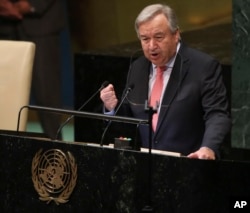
x,y
127,91
104,84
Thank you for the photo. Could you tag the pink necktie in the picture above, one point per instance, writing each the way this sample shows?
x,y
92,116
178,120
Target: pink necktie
x,y
156,93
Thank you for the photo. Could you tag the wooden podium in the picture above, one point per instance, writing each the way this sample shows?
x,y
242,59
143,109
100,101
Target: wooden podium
x,y
102,179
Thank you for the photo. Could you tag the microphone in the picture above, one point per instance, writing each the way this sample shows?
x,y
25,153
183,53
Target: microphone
x,y
104,84
128,90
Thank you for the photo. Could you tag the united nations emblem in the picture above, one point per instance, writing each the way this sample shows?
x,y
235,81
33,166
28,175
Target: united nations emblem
x,y
54,175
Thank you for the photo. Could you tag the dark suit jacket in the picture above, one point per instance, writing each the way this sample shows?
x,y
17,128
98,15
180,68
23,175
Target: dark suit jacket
x,y
8,26
48,18
194,109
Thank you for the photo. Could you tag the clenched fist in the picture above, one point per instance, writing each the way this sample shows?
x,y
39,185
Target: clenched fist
x,y
108,97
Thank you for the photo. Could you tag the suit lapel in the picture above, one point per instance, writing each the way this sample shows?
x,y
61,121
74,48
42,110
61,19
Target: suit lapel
x,y
140,79
177,76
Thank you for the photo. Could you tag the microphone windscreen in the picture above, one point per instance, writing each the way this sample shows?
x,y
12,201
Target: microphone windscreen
x,y
105,83
131,86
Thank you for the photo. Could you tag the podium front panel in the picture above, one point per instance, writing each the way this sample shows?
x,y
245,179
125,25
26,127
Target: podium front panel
x,y
112,180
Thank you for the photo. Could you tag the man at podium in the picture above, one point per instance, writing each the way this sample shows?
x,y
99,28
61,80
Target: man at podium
x,y
184,85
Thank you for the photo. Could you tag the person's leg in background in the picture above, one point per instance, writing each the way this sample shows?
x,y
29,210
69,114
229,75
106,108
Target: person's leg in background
x,y
46,81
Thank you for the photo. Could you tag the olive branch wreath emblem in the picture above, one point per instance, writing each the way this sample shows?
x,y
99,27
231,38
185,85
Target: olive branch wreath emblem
x,y
54,175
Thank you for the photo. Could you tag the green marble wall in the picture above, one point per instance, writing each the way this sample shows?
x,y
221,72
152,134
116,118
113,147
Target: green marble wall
x,y
241,74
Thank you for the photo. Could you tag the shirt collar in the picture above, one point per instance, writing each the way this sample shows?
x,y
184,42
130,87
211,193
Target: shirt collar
x,y
170,63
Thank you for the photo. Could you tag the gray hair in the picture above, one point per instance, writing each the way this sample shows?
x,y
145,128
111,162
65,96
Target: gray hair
x,y
151,11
